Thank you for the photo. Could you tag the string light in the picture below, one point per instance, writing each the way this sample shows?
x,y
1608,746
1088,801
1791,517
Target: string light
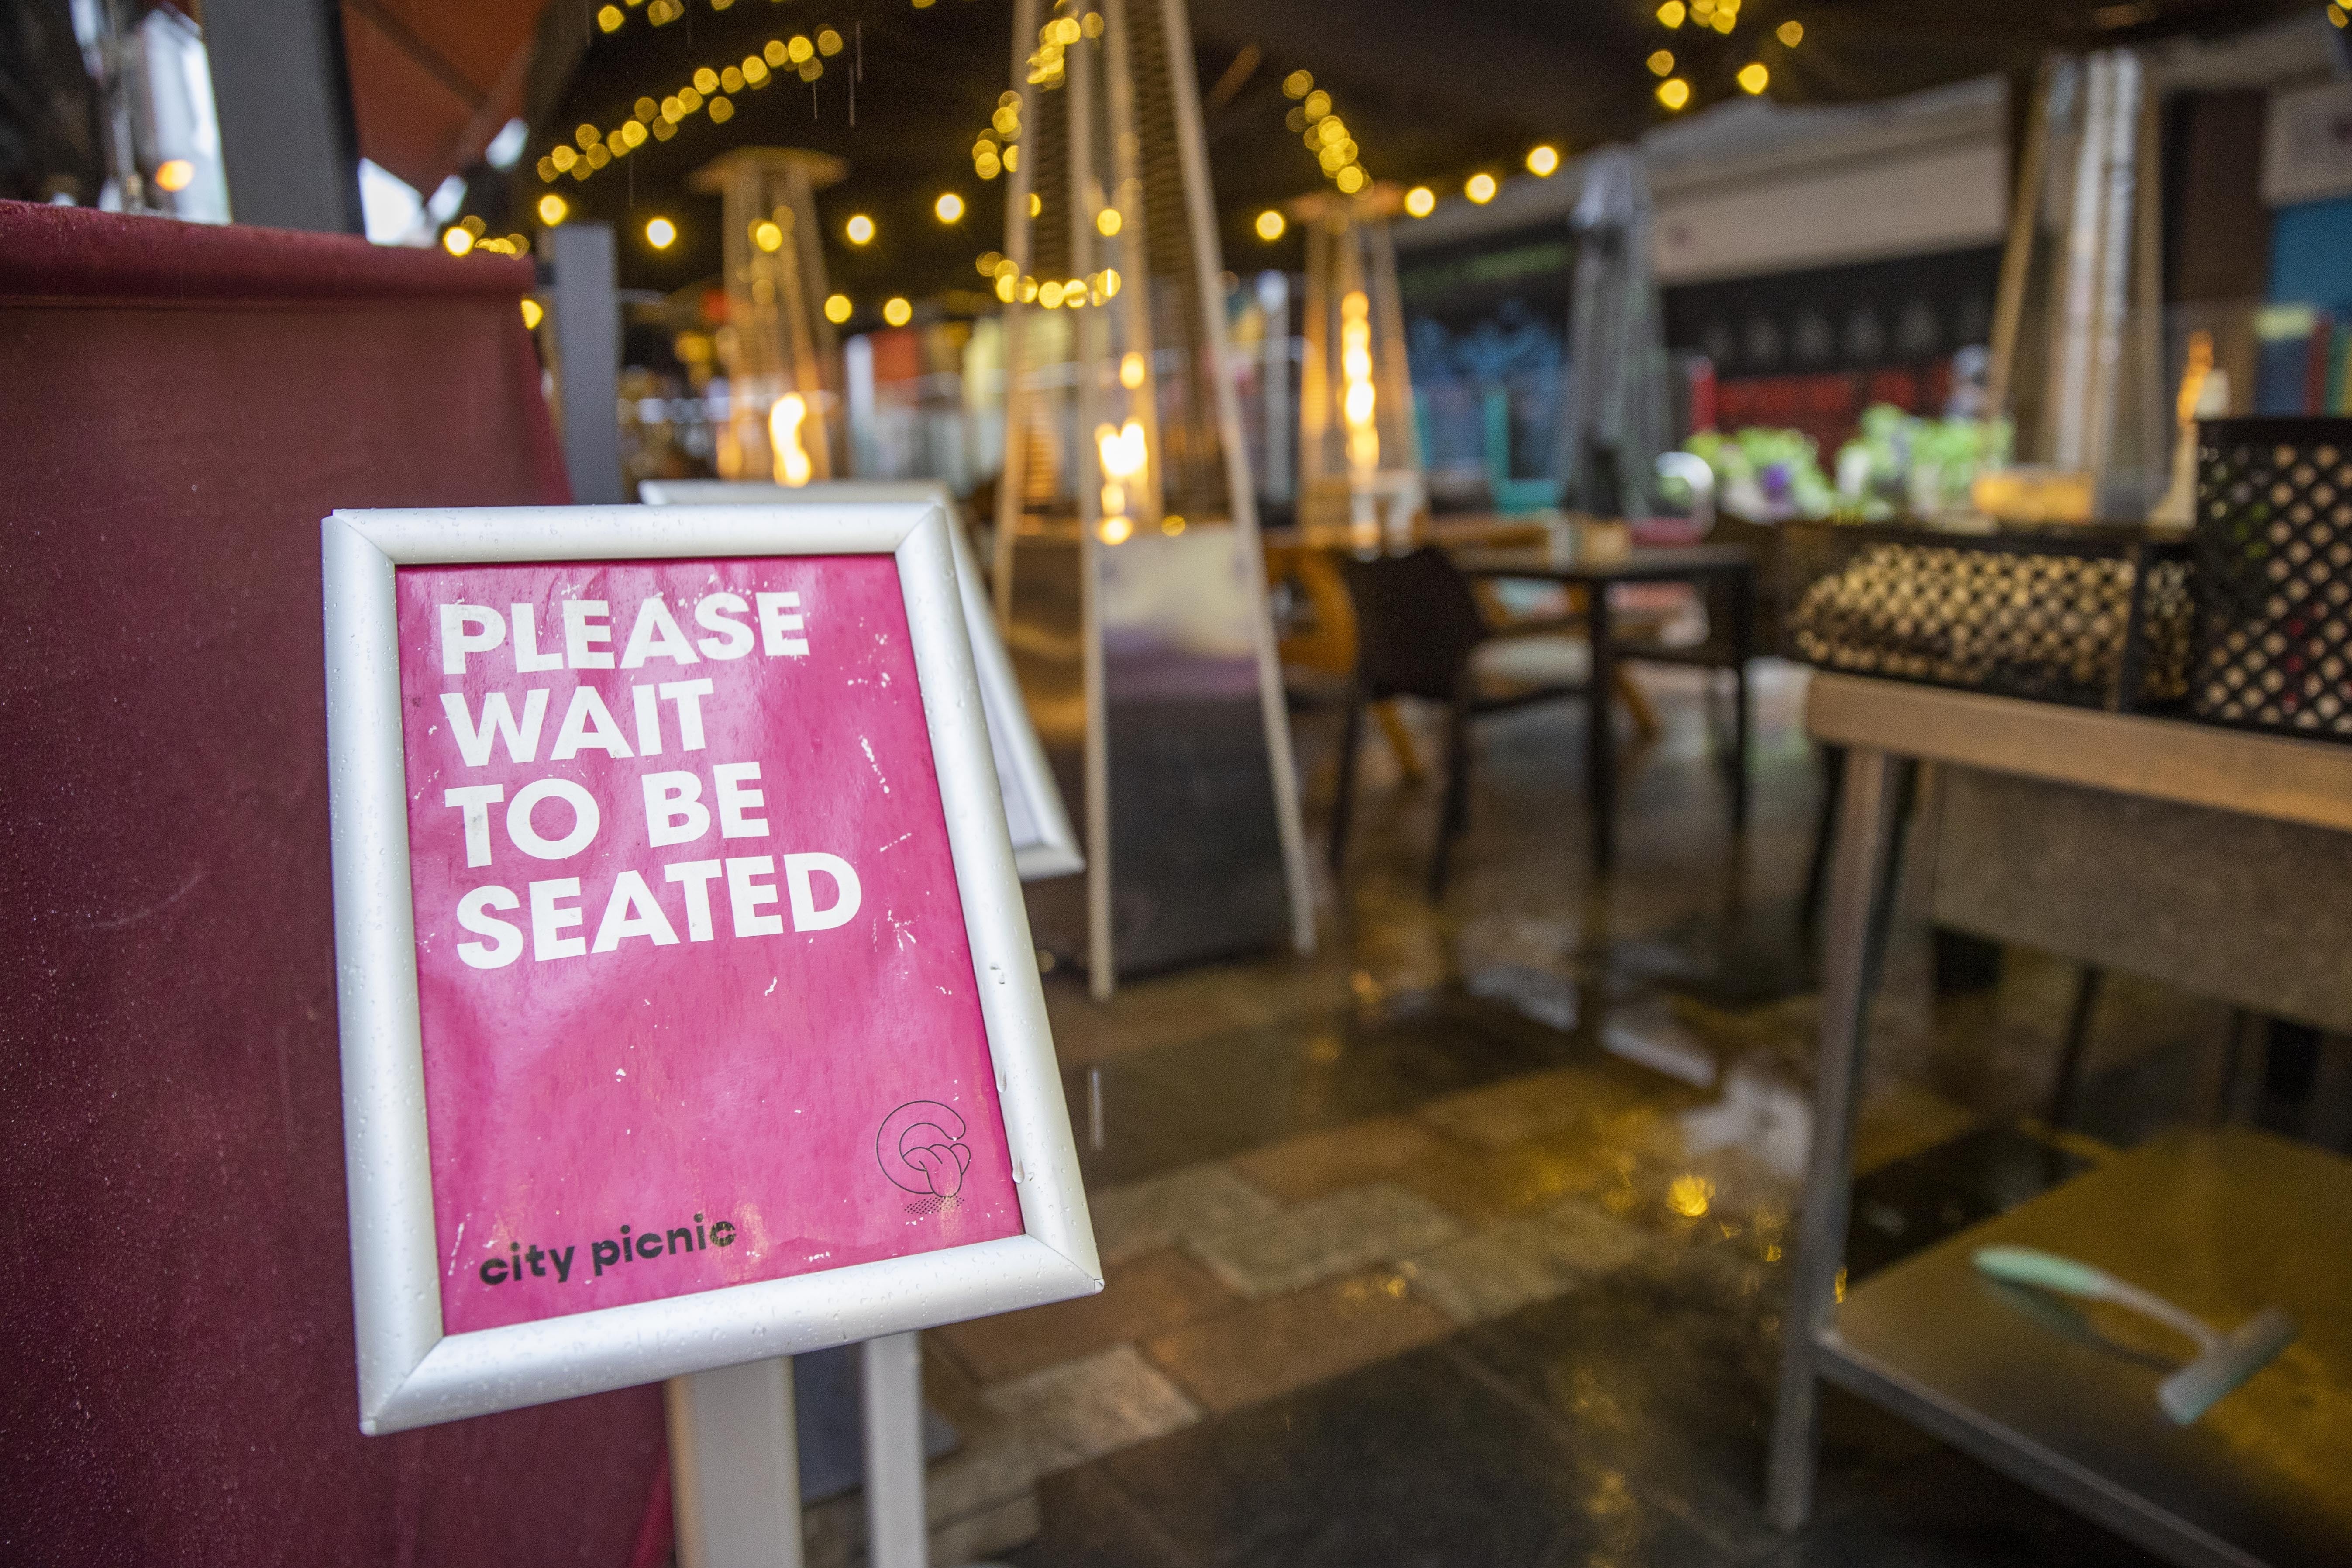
x,y
660,232
1753,77
1270,225
948,208
1672,13
1325,134
1297,84
836,308
2336,14
174,175
767,235
785,418
1108,222
858,229
554,209
1132,369
1543,161
1480,188
896,311
457,241
1673,92
1793,33
532,314
1421,201
1663,63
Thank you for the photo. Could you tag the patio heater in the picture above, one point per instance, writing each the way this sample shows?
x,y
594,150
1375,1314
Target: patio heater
x,y
1359,474
1128,568
782,358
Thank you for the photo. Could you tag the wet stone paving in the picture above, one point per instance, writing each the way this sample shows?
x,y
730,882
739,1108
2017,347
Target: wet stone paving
x,y
1464,1241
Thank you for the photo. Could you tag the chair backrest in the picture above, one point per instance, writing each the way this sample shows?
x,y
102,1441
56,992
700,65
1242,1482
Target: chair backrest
x,y
1416,623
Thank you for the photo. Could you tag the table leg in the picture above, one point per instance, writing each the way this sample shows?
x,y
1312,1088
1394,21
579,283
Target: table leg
x,y
1867,820
897,1528
1743,648
734,1461
1600,733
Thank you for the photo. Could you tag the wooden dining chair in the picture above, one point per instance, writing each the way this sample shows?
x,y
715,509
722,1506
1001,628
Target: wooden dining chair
x,y
1418,632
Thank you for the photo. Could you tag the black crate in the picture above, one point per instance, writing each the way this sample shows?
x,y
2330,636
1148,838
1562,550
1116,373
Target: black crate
x,y
2090,616
2274,576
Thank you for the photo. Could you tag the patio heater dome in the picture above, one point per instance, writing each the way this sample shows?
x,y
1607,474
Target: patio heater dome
x,y
1360,473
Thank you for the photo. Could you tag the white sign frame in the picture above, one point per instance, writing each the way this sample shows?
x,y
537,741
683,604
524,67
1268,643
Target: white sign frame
x,y
412,1372
1020,756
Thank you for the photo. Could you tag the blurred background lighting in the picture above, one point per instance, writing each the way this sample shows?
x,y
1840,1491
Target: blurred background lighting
x,y
1481,188
532,315
1754,78
457,241
554,209
766,235
1270,225
836,308
1663,63
659,232
1672,13
949,207
1793,33
1421,201
859,229
174,173
896,311
1543,161
1673,92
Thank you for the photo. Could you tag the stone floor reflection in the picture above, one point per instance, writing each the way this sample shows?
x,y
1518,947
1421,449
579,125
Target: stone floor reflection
x,y
1464,1241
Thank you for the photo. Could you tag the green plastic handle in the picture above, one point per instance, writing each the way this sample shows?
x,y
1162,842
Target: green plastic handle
x,y
2046,1270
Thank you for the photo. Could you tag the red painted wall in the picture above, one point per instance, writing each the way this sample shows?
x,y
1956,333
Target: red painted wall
x,y
178,408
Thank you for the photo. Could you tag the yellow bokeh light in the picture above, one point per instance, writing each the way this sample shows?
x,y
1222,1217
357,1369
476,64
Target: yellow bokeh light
x,y
1754,78
1108,222
660,232
836,308
1793,33
1673,92
1689,1196
1663,63
174,173
1316,105
457,241
1543,161
1481,188
828,43
1006,287
1036,204
858,229
1725,21
755,70
1116,529
554,209
896,311
1132,369
799,50
610,18
1297,84
1270,225
533,315
587,136
948,208
720,109
1349,180
1171,525
1049,294
2336,14
705,82
785,418
1421,201
766,235
633,134
1110,282
1672,13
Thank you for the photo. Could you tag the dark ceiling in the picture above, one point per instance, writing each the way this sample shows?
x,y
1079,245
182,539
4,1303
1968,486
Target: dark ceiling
x,y
1433,93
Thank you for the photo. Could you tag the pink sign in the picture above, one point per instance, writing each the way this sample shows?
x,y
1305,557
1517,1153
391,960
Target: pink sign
x,y
697,1001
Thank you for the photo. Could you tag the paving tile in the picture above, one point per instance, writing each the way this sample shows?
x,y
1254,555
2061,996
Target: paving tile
x,y
1667,1369
1524,1261
1083,1409
1483,1186
1502,1114
1320,1163
1087,1521
1194,1204
1152,1295
1418,1461
1275,1346
1325,1238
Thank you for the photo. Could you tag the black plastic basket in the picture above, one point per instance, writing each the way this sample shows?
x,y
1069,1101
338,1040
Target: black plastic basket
x,y
2090,616
2274,576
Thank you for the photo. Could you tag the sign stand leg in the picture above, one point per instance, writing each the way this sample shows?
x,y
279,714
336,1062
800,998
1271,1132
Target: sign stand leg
x,y
897,1525
735,1472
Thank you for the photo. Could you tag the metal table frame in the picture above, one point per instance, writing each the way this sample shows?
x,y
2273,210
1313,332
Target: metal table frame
x,y
1887,729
